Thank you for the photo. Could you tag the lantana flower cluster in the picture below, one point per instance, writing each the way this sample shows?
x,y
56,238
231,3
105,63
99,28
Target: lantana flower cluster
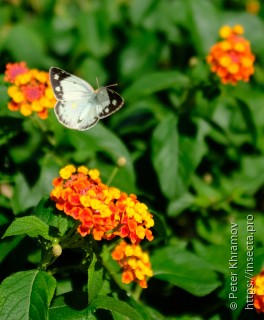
x,y
134,262
258,292
30,90
105,213
253,6
232,59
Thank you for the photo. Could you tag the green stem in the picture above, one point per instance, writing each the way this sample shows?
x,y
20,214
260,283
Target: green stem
x,y
39,123
137,293
47,259
113,174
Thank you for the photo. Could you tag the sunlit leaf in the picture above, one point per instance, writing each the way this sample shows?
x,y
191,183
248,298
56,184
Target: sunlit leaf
x,y
33,292
32,226
185,270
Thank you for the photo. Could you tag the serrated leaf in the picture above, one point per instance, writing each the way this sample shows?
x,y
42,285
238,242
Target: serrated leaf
x,y
185,270
26,295
118,306
95,279
46,211
32,226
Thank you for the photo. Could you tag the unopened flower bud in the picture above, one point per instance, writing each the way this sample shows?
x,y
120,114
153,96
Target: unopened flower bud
x,y
121,162
56,250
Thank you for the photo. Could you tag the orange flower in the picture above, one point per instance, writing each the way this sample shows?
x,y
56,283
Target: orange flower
x,y
134,263
253,6
258,292
30,90
105,212
231,59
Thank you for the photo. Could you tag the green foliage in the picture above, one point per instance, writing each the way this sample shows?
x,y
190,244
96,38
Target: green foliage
x,y
194,151
32,226
32,297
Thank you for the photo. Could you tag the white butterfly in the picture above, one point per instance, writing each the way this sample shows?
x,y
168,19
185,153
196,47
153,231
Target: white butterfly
x,y
79,106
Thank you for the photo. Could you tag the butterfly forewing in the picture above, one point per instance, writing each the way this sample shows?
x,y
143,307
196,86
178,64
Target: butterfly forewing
x,y
108,102
67,86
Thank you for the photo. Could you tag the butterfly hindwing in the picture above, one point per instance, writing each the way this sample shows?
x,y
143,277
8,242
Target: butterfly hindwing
x,y
108,102
79,114
67,86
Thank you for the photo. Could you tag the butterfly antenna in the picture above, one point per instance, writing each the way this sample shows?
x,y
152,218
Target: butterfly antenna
x,y
97,81
112,85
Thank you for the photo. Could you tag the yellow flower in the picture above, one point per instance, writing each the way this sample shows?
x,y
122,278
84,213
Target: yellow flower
x,y
67,171
94,174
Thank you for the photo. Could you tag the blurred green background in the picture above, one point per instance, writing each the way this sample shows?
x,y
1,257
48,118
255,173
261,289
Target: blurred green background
x,y
194,148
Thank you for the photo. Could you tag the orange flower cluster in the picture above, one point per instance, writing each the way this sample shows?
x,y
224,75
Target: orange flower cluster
x,y
134,262
30,90
105,212
253,6
232,59
258,292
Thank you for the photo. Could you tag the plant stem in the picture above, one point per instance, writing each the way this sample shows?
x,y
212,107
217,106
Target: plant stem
x,y
113,174
137,293
43,128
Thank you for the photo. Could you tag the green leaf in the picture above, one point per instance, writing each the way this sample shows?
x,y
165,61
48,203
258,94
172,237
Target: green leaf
x,y
95,31
216,255
33,52
95,278
191,151
160,225
203,16
139,9
26,295
9,127
176,206
32,226
118,306
69,306
154,82
146,312
27,196
7,246
165,155
139,56
185,270
47,212
248,118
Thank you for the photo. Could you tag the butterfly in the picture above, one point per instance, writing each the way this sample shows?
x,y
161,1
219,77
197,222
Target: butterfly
x,y
78,105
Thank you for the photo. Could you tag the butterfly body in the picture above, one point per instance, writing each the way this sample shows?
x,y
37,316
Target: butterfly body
x,y
78,105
